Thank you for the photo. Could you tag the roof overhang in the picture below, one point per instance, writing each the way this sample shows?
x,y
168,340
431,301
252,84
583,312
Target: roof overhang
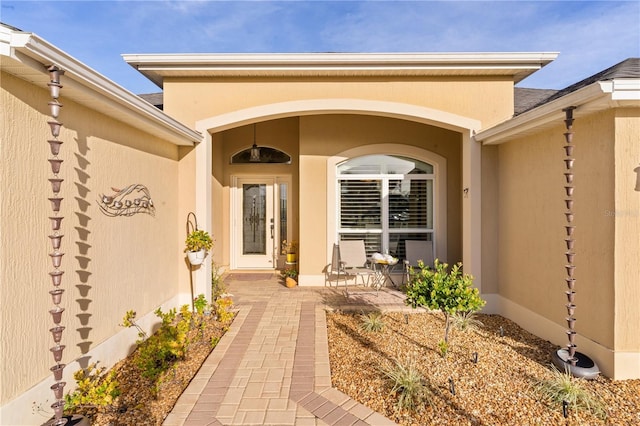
x,y
27,56
515,66
599,96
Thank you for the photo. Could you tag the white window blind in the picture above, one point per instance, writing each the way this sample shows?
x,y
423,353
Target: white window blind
x,y
385,200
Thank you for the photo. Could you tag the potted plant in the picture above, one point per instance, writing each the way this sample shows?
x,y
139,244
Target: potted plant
x,y
290,249
197,244
290,275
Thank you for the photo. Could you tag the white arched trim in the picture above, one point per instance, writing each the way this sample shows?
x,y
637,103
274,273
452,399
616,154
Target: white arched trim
x,y
471,155
439,164
338,106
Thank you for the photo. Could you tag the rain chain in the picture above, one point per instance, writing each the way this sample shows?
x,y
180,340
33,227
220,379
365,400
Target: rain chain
x,y
56,255
570,254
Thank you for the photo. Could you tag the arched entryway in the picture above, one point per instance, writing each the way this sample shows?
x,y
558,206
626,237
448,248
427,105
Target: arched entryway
x,y
312,160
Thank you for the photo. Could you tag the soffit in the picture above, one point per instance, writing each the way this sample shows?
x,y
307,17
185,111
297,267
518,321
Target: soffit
x,y
515,66
27,56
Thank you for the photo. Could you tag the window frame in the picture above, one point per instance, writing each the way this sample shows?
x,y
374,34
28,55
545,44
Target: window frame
x,y
439,164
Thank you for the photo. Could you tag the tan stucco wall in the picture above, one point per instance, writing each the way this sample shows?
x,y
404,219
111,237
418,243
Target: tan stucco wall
x,y
487,100
324,136
626,213
111,264
490,223
530,262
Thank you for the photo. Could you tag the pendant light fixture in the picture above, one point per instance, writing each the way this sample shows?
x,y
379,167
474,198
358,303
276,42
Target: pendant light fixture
x,y
254,156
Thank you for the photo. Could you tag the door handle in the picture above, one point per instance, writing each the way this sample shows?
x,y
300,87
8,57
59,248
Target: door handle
x,y
272,232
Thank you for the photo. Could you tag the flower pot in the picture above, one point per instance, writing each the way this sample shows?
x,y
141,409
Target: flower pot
x,y
290,282
291,257
196,257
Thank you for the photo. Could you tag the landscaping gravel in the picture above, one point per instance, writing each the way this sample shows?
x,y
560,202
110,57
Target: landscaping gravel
x,y
497,390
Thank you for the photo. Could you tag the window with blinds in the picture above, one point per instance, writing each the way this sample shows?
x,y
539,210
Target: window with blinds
x,y
385,200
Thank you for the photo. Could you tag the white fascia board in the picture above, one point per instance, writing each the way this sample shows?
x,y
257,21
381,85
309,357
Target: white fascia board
x,y
332,59
97,86
624,89
595,97
520,64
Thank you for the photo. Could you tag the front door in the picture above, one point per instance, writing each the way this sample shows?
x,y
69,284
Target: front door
x,y
254,223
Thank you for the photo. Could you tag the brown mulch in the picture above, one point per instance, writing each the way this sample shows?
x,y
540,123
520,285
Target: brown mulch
x,y
497,390
138,404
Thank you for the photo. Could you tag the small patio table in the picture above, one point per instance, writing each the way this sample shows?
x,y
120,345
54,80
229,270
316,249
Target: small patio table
x,y
383,269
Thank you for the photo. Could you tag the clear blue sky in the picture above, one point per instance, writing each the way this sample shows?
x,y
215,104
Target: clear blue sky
x,y
590,35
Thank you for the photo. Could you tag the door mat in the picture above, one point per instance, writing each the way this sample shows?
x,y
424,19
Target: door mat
x,y
249,277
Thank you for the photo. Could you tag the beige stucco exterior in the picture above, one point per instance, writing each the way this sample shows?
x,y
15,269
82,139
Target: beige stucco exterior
x,y
499,189
523,223
110,264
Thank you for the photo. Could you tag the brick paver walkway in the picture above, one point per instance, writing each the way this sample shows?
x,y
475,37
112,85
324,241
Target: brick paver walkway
x,y
272,366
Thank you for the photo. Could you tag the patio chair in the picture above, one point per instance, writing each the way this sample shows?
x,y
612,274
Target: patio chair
x,y
336,268
354,258
416,250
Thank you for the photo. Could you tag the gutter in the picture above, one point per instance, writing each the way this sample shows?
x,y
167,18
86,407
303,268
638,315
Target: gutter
x,y
617,93
34,52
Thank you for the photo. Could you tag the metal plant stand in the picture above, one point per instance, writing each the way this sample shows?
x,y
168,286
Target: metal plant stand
x,y
578,364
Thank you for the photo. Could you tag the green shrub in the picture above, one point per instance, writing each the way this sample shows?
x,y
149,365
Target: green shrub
x,y
450,292
443,348
200,304
223,306
94,388
371,322
157,353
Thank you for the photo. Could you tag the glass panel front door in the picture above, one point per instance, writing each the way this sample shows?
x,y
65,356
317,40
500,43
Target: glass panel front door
x,y
254,217
255,227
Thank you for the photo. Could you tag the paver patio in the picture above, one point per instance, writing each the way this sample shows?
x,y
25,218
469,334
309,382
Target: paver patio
x,y
272,366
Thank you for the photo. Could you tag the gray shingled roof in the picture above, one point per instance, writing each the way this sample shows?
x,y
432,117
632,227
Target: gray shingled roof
x,y
629,68
154,99
525,99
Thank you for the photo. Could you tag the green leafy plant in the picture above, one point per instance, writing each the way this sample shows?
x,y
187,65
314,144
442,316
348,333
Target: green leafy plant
x,y
95,388
407,383
289,273
129,320
371,322
169,343
223,306
214,341
448,291
563,386
198,240
466,321
200,304
443,348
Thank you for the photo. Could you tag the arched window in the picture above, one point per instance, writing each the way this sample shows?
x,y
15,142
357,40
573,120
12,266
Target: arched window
x,y
385,200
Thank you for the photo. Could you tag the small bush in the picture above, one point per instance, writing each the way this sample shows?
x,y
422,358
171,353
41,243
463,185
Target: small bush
x,y
448,291
94,389
371,322
407,383
443,348
200,304
157,353
564,387
222,307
